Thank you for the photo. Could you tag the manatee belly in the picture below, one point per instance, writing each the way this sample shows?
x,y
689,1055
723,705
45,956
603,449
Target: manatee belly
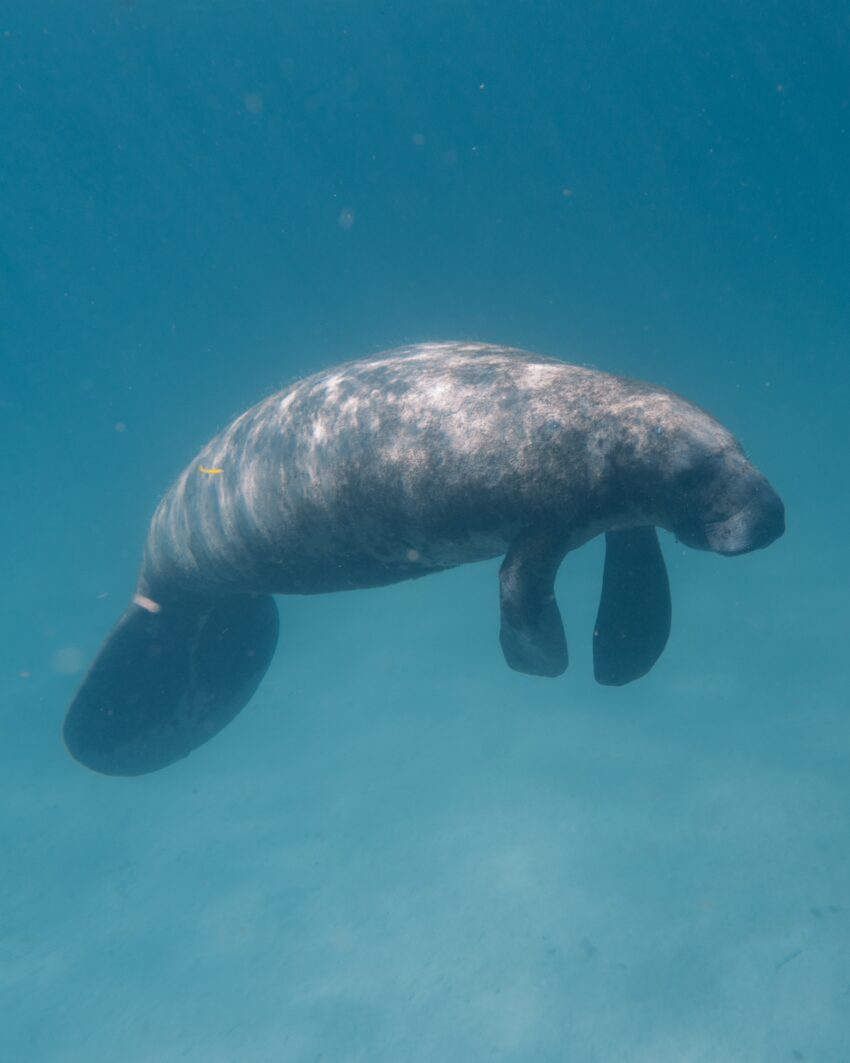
x,y
301,570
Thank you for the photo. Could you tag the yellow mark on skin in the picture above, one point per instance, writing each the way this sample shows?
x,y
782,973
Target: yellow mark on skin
x,y
210,472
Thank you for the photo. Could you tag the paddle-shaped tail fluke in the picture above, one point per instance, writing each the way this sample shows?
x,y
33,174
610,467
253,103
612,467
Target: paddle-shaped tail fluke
x,y
633,622
168,678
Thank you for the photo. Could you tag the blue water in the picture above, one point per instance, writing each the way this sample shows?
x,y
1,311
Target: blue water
x,y
402,851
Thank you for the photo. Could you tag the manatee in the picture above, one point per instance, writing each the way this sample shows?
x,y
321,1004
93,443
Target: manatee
x,y
394,467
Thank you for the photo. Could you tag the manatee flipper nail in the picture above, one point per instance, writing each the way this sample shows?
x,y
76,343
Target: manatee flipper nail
x,y
633,622
167,679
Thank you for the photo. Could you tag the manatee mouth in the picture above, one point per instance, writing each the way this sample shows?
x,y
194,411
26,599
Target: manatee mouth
x,y
754,527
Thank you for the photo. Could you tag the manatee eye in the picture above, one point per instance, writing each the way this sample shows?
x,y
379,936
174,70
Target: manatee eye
x,y
699,474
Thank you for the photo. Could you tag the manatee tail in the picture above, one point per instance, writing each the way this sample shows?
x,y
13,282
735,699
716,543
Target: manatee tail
x,y
166,681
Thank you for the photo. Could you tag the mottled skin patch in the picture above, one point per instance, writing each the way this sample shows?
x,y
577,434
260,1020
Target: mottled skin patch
x,y
394,467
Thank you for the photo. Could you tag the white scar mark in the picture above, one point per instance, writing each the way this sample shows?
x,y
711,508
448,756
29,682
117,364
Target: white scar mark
x,y
147,603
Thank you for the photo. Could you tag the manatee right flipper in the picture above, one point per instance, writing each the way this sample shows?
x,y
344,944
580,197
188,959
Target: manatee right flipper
x,y
532,632
166,681
633,622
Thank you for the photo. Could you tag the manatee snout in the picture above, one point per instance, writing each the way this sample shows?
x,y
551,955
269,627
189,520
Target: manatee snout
x,y
733,512
759,523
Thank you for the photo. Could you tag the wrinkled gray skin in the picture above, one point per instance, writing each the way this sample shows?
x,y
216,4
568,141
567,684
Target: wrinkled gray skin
x,y
394,467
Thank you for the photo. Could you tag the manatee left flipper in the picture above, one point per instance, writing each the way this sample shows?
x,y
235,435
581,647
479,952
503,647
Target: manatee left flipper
x,y
633,622
167,680
532,632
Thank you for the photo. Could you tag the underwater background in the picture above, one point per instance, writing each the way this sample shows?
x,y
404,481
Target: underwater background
x,y
401,850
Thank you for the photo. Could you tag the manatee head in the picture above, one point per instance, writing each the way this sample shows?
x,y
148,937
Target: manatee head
x,y
699,484
721,502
